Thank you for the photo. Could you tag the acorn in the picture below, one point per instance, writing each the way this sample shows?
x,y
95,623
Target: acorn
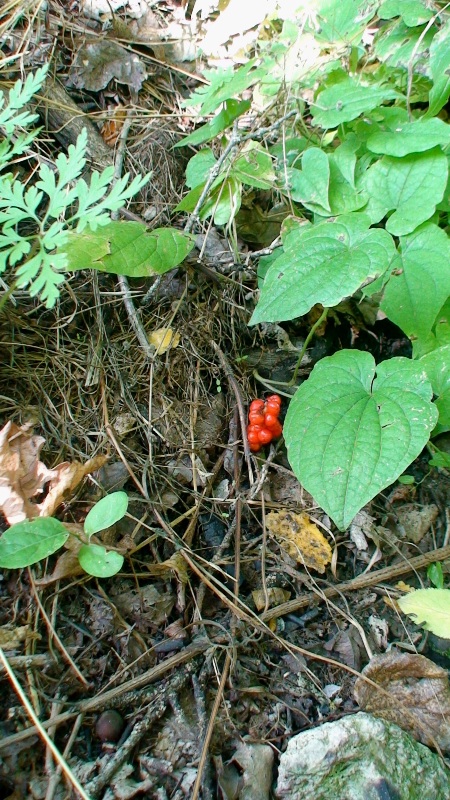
x,y
109,726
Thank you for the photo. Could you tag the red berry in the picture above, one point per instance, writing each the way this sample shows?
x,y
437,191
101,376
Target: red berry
x,y
265,436
271,421
256,418
256,405
252,436
254,447
277,430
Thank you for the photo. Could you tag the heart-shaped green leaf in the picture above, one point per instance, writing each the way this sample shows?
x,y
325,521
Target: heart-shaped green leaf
x,y
420,284
411,187
431,609
30,541
348,99
98,561
411,137
323,264
106,512
349,434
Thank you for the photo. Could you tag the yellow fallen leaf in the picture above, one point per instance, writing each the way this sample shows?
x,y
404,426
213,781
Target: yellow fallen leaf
x,y
300,538
275,596
163,339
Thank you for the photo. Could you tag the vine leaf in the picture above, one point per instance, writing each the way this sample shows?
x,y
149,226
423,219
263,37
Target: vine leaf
x,y
323,263
348,99
412,185
349,434
419,286
411,137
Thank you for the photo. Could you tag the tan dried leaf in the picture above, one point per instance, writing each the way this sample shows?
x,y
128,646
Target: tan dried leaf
x,y
66,478
418,698
23,475
10,638
275,597
175,563
164,339
300,538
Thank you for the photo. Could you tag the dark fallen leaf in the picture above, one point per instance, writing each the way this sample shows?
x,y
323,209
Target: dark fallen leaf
x,y
97,63
416,695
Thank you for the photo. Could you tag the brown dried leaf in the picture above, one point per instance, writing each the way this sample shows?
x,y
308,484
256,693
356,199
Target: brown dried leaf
x,y
23,475
98,62
67,566
418,699
300,538
66,478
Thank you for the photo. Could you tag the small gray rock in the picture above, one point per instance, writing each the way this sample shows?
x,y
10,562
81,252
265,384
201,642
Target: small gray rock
x,y
360,757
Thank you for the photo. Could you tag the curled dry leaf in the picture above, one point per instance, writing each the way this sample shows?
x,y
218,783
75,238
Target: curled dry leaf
x,y
300,538
275,597
23,476
416,695
10,637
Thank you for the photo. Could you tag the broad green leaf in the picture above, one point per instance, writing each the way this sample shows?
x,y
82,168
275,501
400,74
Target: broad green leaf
x,y
411,137
413,12
348,99
233,109
420,283
401,46
132,249
443,406
411,187
322,264
343,197
30,541
343,20
224,84
310,185
199,167
224,202
106,512
254,167
350,435
99,562
437,366
439,59
431,609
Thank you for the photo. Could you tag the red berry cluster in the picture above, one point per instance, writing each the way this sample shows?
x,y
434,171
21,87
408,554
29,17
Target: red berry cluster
x,y
264,424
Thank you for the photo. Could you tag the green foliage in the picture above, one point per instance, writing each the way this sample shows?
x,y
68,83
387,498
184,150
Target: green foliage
x,y
30,541
349,434
367,183
430,608
61,222
436,575
323,263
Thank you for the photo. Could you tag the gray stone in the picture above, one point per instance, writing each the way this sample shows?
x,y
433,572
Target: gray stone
x,y
360,757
